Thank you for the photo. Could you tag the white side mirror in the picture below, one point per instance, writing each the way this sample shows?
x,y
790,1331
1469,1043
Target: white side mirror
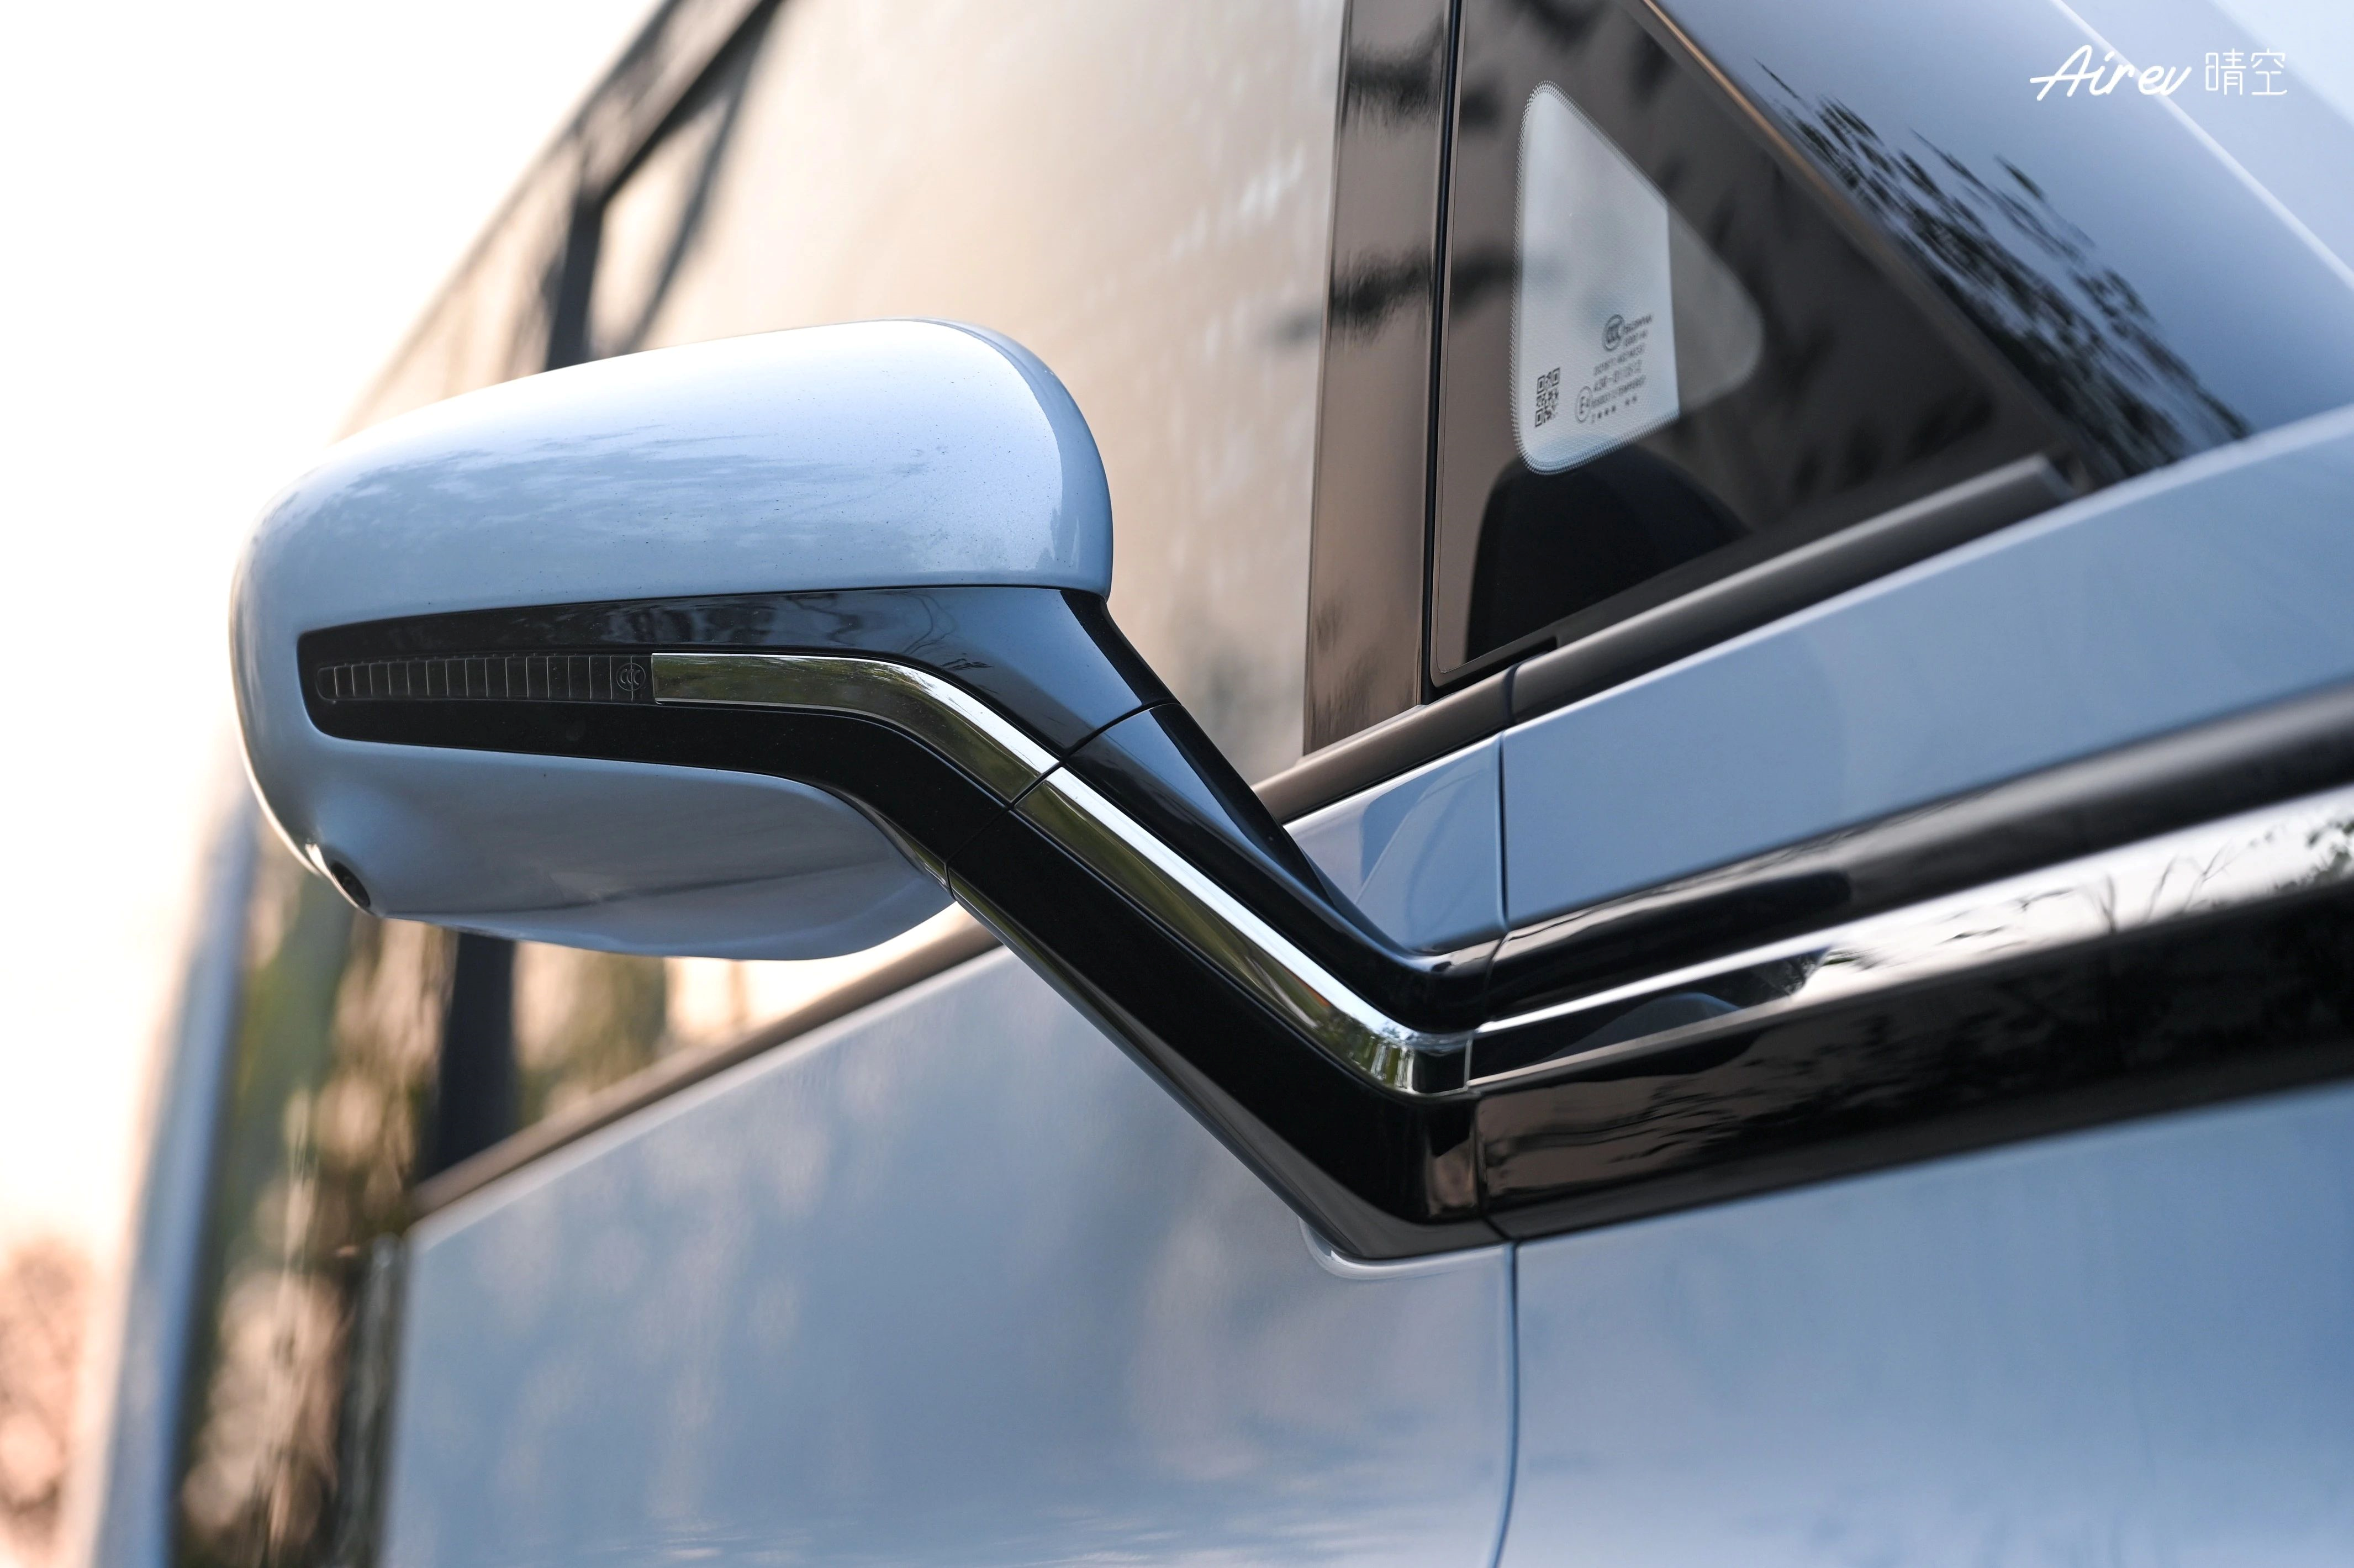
x,y
895,455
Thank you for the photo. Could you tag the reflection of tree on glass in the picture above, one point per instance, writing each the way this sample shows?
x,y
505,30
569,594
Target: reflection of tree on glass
x,y
1666,359
2031,281
346,1026
583,1020
334,1065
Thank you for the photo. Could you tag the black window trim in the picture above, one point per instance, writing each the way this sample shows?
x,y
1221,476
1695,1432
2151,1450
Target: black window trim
x,y
1377,397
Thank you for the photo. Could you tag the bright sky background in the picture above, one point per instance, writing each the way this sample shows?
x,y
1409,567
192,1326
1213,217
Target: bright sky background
x,y
226,217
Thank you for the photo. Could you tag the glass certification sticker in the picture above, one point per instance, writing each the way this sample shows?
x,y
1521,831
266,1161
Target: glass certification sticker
x,y
1594,346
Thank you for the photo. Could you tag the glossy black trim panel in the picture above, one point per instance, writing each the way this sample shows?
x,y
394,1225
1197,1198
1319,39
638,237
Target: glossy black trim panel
x,y
2183,1015
1306,1000
2101,803
2207,870
1374,426
1159,767
1384,1174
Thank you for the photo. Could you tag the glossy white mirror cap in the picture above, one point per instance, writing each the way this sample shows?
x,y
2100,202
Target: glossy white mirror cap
x,y
885,454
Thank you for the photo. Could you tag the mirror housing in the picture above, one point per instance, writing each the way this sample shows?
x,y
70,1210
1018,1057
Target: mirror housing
x,y
890,455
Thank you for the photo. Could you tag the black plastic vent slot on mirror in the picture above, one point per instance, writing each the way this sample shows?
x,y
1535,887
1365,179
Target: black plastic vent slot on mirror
x,y
490,677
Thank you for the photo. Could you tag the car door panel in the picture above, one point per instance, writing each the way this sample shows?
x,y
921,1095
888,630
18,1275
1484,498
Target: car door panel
x,y
1422,855
2125,1347
951,1281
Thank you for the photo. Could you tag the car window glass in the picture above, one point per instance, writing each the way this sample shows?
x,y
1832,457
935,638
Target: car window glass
x,y
333,1112
1613,286
1140,194
330,1088
584,1022
2168,268
654,214
1664,358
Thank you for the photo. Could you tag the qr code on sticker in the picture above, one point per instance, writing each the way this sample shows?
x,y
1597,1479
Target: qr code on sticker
x,y
1548,395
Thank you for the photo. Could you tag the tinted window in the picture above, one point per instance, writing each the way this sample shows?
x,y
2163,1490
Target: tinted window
x,y
582,1022
654,214
1666,356
2160,268
331,1089
1141,196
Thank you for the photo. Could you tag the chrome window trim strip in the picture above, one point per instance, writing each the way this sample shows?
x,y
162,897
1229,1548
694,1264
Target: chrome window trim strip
x,y
944,716
1251,953
2296,846
2231,863
1244,947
